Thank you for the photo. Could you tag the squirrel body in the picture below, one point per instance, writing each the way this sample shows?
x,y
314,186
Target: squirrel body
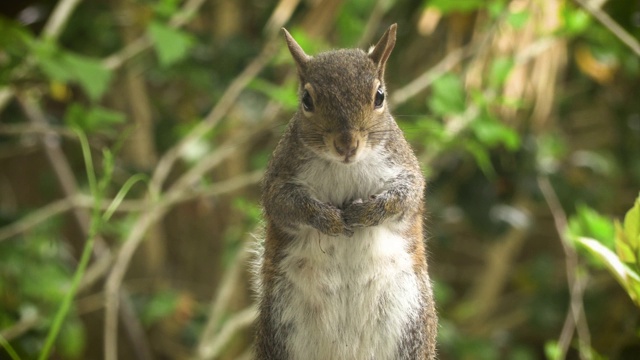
x,y
343,272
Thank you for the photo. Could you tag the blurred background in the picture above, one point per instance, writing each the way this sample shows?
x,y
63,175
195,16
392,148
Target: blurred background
x,y
134,133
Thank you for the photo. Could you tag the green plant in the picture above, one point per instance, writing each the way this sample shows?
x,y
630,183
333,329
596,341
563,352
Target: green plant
x,y
618,251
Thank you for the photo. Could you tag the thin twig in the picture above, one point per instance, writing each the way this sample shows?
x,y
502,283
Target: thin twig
x,y
35,218
576,317
26,323
236,323
221,300
428,77
611,25
67,181
112,287
52,30
29,129
215,115
143,43
155,211
58,19
57,159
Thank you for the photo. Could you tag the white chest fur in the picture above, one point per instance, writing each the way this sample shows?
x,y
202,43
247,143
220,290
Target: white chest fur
x,y
347,297
337,183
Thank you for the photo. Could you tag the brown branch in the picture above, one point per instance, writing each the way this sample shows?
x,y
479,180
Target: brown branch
x,y
36,129
222,297
52,30
143,43
55,156
237,322
28,321
36,217
428,77
66,178
58,19
576,317
611,25
216,114
155,212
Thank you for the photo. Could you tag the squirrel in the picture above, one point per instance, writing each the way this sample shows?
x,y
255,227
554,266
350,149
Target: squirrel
x,y
342,272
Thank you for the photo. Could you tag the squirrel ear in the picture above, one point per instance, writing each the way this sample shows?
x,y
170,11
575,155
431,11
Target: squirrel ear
x,y
380,53
296,51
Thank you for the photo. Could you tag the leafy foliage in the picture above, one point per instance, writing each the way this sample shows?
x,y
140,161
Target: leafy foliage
x,y
619,253
476,128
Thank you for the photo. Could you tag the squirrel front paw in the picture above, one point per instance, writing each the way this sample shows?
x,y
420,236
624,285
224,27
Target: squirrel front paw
x,y
362,213
330,222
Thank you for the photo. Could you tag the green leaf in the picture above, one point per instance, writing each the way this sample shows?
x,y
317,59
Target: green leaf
x,y
65,66
496,7
623,249
447,6
72,339
491,132
159,306
92,76
629,279
448,97
632,226
500,70
166,8
285,95
92,119
518,19
575,21
481,156
589,223
552,350
170,45
51,61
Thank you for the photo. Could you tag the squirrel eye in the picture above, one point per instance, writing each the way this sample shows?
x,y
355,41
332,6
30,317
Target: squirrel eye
x,y
307,101
379,99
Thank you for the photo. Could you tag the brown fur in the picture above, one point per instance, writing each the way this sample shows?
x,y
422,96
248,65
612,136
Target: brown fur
x,y
343,123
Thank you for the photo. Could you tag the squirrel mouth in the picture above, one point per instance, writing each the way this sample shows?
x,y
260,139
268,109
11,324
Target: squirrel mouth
x,y
348,159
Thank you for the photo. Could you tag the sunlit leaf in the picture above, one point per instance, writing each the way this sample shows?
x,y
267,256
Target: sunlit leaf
x,y
632,226
518,19
628,278
623,249
552,350
491,132
72,340
589,223
575,21
447,6
448,96
500,70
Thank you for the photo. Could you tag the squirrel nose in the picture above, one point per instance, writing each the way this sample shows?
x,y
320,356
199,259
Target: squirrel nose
x,y
346,145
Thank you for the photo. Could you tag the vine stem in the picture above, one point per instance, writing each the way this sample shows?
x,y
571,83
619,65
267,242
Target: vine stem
x,y
87,253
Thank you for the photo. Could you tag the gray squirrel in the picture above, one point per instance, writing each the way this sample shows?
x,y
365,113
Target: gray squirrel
x,y
342,273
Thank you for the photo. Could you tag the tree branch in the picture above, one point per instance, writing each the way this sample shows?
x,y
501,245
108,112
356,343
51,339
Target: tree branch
x,y
35,218
215,115
576,317
611,25
221,299
58,19
236,323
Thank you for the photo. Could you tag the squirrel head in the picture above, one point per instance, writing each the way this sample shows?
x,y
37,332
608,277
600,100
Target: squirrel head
x,y
343,112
